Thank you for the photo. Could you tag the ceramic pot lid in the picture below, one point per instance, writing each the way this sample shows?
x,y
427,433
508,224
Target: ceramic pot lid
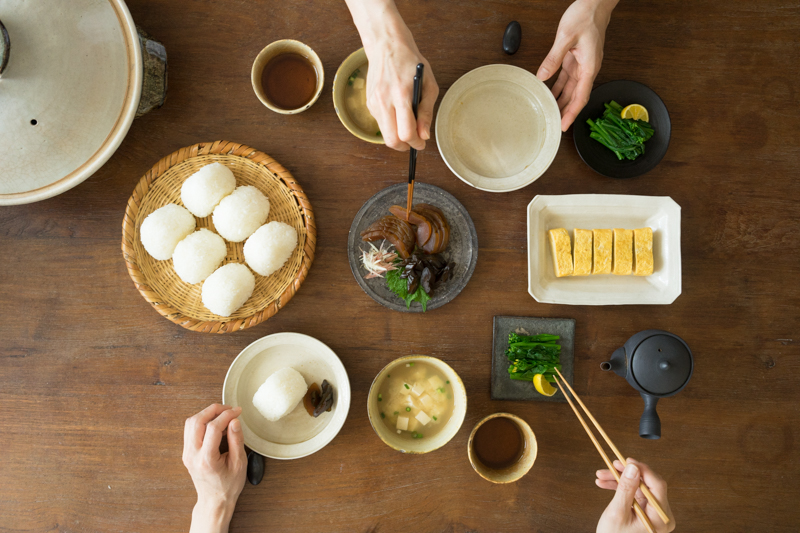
x,y
661,364
67,95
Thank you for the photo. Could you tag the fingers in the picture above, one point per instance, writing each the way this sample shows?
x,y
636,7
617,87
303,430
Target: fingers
x,y
607,475
214,430
606,484
407,127
195,427
563,77
430,92
236,453
553,61
388,124
580,97
626,490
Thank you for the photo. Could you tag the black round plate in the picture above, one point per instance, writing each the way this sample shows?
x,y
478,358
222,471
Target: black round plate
x,y
463,247
603,160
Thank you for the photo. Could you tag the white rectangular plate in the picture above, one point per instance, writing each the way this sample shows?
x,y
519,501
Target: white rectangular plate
x,y
597,211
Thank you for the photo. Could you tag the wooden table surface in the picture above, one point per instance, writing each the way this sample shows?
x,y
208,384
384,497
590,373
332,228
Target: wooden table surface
x,y
95,385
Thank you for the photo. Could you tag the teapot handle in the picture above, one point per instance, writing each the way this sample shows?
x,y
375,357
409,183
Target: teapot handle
x,y
649,424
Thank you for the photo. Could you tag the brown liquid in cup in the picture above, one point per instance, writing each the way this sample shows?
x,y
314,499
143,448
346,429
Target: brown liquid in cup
x,y
498,443
289,81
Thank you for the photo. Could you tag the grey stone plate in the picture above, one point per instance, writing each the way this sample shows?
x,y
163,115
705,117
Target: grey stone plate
x,y
463,247
505,388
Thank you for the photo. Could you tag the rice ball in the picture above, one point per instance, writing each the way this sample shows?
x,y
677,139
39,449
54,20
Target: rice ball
x,y
198,255
228,288
280,394
270,247
164,228
205,188
239,214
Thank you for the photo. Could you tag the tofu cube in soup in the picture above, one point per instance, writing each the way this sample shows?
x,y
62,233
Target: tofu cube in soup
x,y
435,381
417,389
413,424
423,418
402,423
426,401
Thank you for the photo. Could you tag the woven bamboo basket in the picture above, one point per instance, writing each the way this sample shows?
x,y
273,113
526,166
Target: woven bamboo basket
x,y
157,281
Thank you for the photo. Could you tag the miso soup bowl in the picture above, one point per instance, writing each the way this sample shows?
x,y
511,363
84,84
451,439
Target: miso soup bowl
x,y
348,66
428,444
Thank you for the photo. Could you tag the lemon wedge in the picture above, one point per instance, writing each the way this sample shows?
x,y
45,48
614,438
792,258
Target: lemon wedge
x,y
543,386
636,112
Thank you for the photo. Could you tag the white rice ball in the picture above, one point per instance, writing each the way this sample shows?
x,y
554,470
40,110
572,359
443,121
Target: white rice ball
x,y
239,214
164,228
280,394
227,289
270,247
198,255
205,188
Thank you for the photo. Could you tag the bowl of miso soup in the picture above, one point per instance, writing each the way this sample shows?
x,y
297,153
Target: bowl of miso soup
x,y
416,404
350,98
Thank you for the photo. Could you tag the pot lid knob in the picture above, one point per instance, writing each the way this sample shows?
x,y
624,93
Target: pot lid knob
x,y
661,364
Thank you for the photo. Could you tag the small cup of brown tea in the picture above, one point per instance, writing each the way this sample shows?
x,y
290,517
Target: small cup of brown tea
x,y
287,76
502,448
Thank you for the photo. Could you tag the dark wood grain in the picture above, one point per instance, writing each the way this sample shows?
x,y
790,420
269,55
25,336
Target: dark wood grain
x,y
95,385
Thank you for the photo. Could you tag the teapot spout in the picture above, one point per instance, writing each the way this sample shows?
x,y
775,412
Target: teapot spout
x,y
617,363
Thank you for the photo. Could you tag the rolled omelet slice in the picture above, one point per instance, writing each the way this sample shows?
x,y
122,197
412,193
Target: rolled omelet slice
x,y
643,252
603,241
561,247
623,251
582,252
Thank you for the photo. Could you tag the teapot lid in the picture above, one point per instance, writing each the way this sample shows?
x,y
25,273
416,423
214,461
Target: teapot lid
x,y
661,364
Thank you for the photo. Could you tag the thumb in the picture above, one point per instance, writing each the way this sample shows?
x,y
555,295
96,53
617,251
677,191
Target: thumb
x,y
626,490
554,58
236,454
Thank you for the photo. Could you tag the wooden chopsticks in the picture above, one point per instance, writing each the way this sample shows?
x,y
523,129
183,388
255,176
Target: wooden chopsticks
x,y
646,491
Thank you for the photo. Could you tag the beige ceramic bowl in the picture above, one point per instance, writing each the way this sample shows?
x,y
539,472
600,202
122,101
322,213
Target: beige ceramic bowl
x,y
297,434
425,445
515,471
355,60
285,46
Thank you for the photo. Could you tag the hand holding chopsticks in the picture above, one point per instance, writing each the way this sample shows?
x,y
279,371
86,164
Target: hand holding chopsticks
x,y
651,499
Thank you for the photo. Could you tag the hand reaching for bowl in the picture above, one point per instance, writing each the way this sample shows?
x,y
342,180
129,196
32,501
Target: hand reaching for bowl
x,y
218,478
393,57
619,516
578,52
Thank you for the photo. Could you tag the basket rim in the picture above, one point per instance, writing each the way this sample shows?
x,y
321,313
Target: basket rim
x,y
129,231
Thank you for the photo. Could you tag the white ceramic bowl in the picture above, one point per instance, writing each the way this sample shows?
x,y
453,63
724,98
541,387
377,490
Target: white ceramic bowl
x,y
427,444
68,95
498,128
297,434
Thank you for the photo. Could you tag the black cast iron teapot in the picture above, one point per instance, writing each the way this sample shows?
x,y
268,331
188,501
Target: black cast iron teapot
x,y
656,363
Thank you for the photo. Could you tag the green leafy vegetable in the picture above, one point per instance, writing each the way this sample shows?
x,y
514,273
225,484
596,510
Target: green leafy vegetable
x,y
529,355
623,136
399,286
353,76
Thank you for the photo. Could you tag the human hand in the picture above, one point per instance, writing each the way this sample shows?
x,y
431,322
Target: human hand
x,y
218,478
393,57
619,516
578,51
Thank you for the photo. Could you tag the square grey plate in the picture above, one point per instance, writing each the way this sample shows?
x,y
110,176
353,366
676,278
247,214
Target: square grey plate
x,y
505,388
